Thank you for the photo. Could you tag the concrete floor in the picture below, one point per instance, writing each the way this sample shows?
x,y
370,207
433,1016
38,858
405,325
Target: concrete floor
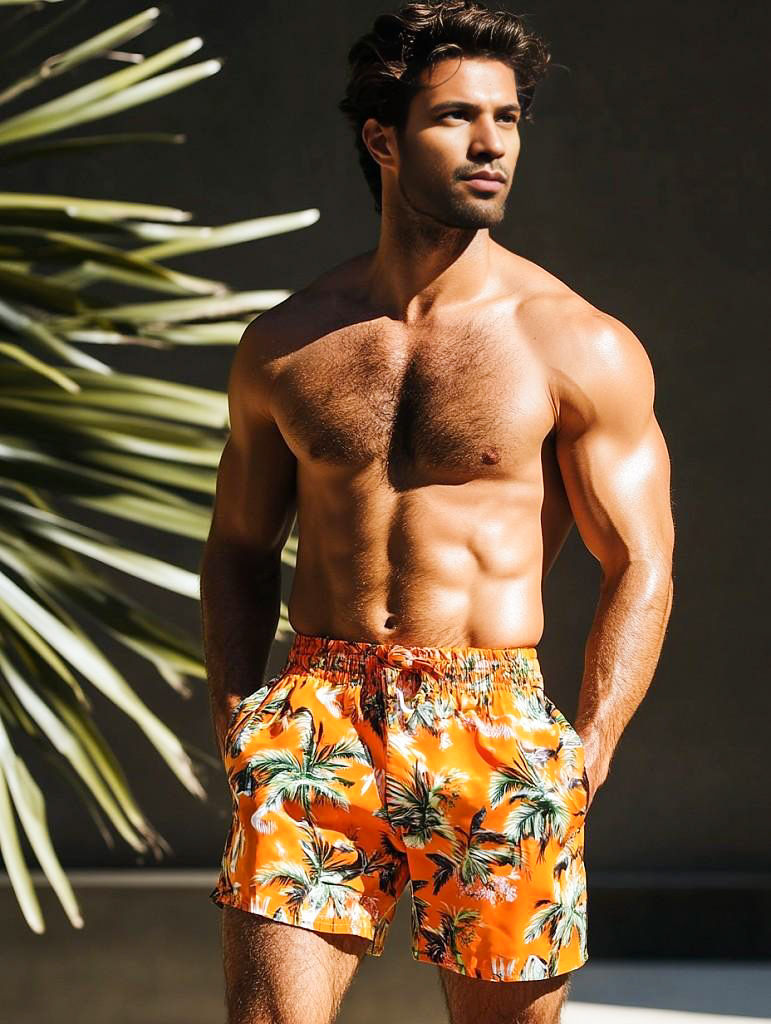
x,y
151,955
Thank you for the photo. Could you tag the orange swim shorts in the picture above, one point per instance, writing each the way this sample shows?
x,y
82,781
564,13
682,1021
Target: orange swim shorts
x,y
362,767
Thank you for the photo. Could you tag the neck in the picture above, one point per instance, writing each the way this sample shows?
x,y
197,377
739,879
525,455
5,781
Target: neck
x,y
421,266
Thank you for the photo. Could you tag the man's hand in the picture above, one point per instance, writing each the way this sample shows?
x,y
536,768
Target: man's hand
x,y
595,773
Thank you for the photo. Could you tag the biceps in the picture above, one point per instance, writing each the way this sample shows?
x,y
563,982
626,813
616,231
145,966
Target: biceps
x,y
255,500
619,492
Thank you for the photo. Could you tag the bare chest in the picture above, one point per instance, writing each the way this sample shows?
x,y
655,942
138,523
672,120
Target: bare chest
x,y
450,406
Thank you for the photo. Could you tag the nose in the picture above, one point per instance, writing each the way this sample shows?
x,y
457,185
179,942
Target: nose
x,y
487,139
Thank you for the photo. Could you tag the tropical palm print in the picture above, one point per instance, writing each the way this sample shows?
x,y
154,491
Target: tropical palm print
x,y
362,767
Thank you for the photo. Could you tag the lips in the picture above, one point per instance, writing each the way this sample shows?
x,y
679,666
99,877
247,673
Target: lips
x,y
485,184
487,175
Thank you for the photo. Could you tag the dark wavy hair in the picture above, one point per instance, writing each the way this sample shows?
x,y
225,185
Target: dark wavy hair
x,y
386,62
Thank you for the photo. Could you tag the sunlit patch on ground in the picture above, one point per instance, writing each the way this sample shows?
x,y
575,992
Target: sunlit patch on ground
x,y
597,1013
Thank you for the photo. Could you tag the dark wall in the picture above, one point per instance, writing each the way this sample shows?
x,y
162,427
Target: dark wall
x,y
640,186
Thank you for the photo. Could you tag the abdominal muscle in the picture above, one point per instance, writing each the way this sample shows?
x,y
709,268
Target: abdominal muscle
x,y
439,565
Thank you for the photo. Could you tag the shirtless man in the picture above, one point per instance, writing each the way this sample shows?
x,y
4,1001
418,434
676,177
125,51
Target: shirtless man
x,y
436,413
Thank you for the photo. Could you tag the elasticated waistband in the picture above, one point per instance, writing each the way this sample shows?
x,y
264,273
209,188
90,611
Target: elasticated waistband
x,y
460,664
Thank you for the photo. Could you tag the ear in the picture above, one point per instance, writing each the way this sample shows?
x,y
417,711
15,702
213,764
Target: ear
x,y
380,140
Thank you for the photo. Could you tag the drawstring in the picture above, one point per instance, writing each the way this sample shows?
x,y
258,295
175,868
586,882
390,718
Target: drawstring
x,y
405,659
357,702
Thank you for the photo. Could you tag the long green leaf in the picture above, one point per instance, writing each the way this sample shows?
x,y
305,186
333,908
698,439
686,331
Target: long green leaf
x,y
28,466
155,231
69,744
31,37
121,806
174,654
130,393
192,522
118,801
232,234
220,333
36,290
96,545
133,433
53,374
44,651
175,311
30,806
79,99
134,96
171,283
39,333
133,563
96,46
94,209
44,244
10,846
85,656
177,474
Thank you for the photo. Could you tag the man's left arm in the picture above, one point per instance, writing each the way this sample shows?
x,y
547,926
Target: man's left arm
x,y
615,466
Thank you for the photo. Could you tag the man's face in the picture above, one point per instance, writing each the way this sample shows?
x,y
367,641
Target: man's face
x,y
465,120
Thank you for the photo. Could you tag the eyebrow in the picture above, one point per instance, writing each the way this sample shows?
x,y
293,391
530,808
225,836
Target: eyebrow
x,y
463,105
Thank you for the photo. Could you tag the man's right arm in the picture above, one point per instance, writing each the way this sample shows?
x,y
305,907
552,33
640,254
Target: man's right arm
x,y
254,509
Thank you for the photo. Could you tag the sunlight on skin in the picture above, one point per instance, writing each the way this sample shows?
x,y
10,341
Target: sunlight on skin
x,y
631,473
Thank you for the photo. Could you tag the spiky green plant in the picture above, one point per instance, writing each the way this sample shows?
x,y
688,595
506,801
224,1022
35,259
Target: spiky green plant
x,y
76,434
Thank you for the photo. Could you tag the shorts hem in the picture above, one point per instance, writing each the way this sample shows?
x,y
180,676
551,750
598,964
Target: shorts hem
x,y
227,897
486,973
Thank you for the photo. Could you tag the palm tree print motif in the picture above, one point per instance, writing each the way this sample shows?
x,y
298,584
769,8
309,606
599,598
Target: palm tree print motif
x,y
257,708
541,810
530,704
319,880
456,929
468,860
315,772
419,907
564,914
362,768
417,807
386,862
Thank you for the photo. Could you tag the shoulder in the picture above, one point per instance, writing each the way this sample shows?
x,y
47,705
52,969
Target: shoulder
x,y
270,340
305,314
595,365
266,343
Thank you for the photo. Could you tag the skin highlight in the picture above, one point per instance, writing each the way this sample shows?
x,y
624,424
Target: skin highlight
x,y
438,413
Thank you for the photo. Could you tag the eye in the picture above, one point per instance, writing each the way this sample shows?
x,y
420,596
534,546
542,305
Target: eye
x,y
450,113
512,118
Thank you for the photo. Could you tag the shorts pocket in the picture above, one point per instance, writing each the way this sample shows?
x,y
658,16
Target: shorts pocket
x,y
562,720
571,739
255,702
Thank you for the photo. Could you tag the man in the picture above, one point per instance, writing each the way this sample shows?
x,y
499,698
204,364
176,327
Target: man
x,y
437,413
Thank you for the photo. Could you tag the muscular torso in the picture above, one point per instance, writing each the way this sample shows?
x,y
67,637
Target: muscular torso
x,y
429,500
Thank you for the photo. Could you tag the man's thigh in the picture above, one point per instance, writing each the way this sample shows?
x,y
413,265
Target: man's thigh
x,y
277,973
471,1000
